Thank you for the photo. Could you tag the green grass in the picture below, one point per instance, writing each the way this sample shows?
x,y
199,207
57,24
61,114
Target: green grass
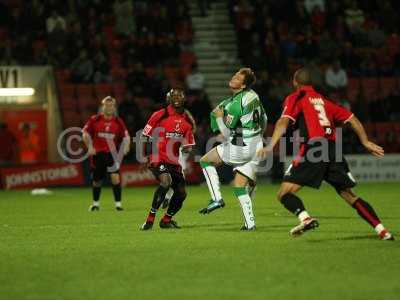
x,y
51,247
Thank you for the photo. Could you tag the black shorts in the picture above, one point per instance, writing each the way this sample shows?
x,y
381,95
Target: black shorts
x,y
102,164
178,179
332,169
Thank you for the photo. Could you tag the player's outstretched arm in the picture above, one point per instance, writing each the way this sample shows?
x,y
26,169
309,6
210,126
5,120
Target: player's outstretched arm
x,y
279,131
371,147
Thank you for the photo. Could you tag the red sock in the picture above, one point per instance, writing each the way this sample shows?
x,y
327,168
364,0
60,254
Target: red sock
x,y
151,217
167,218
366,212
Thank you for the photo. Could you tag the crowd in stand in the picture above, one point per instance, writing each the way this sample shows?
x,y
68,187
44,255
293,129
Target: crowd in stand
x,y
146,46
338,38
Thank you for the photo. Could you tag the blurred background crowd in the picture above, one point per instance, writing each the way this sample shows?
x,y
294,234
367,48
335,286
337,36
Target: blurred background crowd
x,y
137,50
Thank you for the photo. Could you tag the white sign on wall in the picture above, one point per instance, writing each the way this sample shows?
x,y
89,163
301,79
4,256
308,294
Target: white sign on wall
x,y
366,167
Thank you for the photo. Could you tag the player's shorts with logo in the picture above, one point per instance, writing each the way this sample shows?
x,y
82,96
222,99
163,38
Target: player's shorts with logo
x,y
102,164
175,171
316,163
241,154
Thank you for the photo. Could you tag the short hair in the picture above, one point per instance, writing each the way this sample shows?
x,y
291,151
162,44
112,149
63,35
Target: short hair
x,y
303,76
249,77
108,99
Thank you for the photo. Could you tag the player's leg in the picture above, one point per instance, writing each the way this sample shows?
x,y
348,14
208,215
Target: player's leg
x,y
116,186
167,199
300,173
165,181
340,178
208,163
365,211
98,172
287,196
176,202
240,189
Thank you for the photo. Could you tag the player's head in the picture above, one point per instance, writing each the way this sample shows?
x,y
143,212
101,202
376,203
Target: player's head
x,y
176,97
109,106
242,79
302,77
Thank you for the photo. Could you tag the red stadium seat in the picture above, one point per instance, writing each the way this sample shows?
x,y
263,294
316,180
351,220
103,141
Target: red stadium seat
x,y
388,85
68,103
187,58
102,90
71,118
118,74
91,104
62,76
84,91
66,90
115,60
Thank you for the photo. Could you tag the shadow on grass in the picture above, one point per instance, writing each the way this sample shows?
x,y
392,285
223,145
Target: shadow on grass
x,y
347,217
347,238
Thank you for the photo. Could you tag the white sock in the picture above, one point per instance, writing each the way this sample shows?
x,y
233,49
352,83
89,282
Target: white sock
x,y
96,203
379,228
303,215
247,209
212,179
118,204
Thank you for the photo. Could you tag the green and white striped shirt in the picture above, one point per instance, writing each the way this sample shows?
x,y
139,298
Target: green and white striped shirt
x,y
244,113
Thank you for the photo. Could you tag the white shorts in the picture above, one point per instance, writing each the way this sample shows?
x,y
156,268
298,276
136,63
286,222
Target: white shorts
x,y
242,158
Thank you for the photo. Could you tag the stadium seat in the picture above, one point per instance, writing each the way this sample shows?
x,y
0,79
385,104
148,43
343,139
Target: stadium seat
x,y
91,104
84,91
66,90
118,74
187,58
388,86
115,60
102,90
71,118
68,103
62,76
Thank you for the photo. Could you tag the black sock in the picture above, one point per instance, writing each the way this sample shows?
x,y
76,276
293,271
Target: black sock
x,y
159,196
96,190
174,206
117,192
293,203
365,211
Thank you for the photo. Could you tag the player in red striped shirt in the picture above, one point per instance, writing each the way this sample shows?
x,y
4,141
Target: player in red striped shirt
x,y
316,118
171,131
104,134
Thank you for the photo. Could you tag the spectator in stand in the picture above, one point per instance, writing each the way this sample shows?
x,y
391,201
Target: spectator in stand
x,y
328,47
136,80
101,71
22,51
8,151
54,20
195,81
130,114
354,16
310,5
57,37
125,21
82,68
336,78
204,5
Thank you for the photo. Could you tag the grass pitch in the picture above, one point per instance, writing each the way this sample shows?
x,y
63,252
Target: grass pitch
x,y
51,247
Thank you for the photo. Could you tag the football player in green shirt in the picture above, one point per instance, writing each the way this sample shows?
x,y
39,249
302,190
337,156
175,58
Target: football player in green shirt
x,y
241,120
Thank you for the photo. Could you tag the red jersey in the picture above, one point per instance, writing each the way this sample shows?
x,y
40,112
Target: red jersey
x,y
100,129
317,117
170,130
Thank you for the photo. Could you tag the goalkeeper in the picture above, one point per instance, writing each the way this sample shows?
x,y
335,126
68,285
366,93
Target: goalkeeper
x,y
241,120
